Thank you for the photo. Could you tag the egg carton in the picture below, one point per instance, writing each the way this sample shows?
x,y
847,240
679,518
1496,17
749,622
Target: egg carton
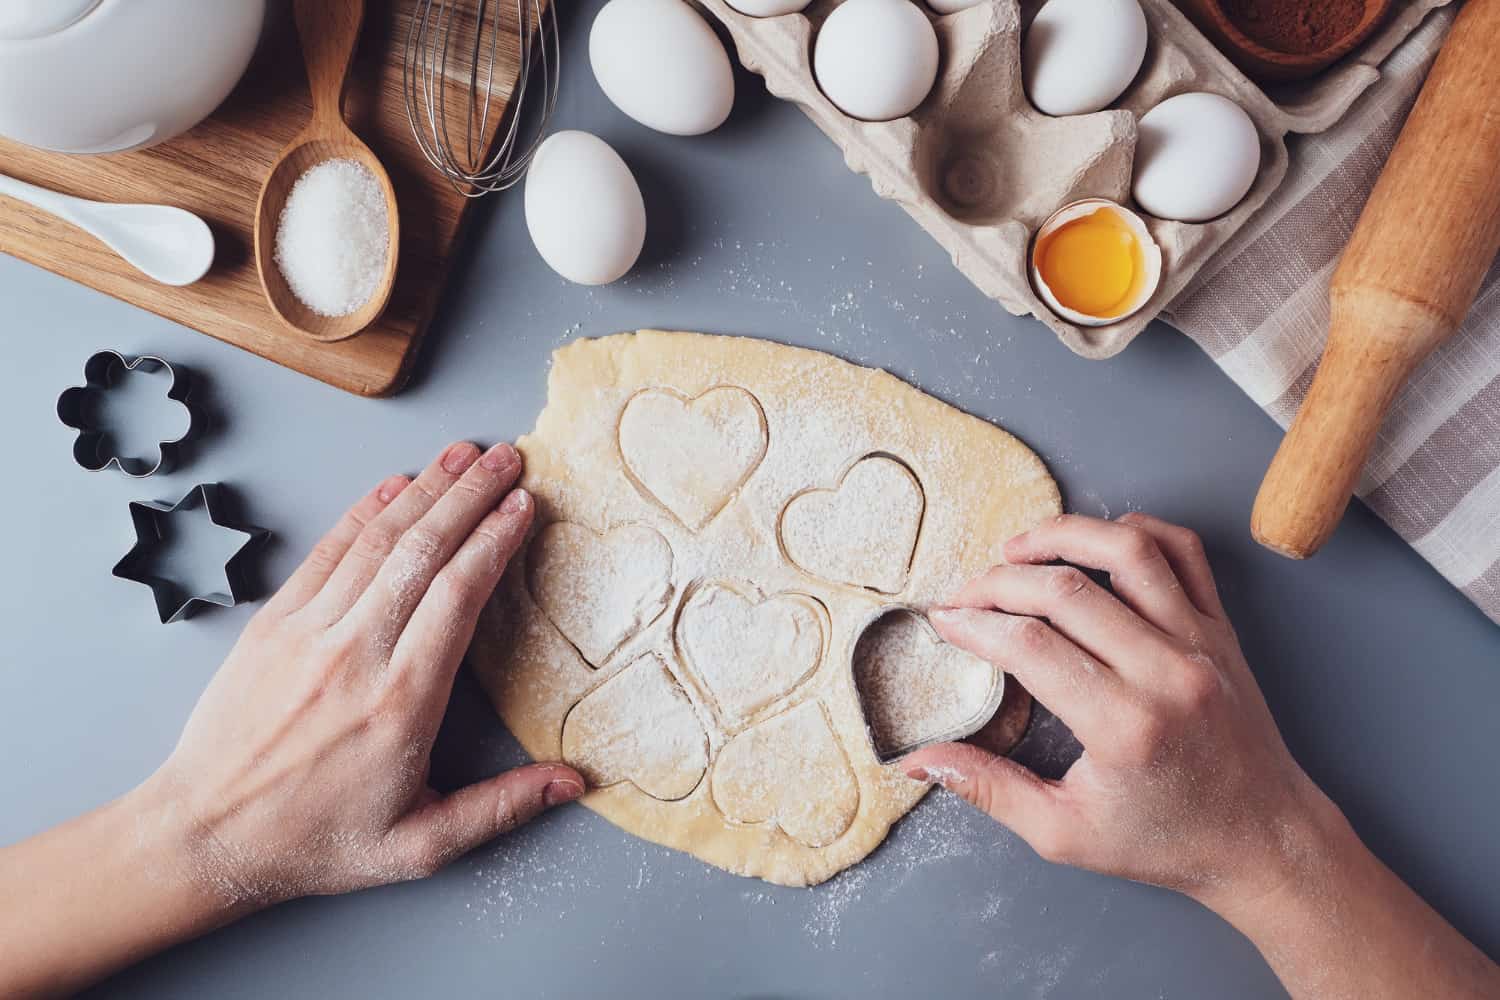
x,y
980,169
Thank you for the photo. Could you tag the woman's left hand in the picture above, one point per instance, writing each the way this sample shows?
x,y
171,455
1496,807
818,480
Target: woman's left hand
x,y
303,769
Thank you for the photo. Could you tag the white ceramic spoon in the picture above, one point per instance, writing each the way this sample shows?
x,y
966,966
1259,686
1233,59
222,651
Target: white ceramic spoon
x,y
167,244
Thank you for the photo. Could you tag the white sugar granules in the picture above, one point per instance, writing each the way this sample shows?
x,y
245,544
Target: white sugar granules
x,y
333,237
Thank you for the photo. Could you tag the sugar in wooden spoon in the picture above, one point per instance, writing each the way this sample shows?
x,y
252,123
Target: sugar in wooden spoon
x,y
329,31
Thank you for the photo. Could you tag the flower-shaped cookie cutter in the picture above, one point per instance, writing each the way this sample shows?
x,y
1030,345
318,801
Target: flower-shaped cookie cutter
x,y
151,518
78,408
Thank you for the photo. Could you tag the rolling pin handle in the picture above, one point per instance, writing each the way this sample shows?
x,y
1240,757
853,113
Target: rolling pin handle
x,y
1415,262
1318,466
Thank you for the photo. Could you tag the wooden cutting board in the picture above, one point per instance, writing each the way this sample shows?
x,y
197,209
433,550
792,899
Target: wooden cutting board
x,y
216,171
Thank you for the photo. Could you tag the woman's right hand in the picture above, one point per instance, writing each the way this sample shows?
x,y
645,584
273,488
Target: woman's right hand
x,y
1185,781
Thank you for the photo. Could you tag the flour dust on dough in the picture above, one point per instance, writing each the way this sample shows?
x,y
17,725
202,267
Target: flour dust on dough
x,y
863,532
600,589
761,775
603,738
721,520
745,652
690,455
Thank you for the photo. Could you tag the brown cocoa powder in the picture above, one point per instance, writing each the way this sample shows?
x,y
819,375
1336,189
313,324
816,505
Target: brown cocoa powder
x,y
1295,26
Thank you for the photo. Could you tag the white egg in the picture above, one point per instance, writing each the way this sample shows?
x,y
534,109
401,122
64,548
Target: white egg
x,y
952,6
1079,56
584,209
660,63
768,8
1196,158
876,59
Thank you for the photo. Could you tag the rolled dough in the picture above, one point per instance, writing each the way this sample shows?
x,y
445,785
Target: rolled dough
x,y
671,633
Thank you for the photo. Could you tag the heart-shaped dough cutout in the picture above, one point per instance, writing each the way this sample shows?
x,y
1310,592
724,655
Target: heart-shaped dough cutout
x,y
747,653
789,770
638,726
863,532
692,455
917,689
600,590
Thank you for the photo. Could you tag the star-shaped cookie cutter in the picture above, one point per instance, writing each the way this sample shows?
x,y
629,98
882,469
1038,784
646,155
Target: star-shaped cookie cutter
x,y
173,602
76,408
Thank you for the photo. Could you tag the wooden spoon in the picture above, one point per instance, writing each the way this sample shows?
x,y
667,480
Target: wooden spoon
x,y
329,30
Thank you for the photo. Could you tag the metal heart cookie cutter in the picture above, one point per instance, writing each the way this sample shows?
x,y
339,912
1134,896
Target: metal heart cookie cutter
x,y
153,534
887,703
78,408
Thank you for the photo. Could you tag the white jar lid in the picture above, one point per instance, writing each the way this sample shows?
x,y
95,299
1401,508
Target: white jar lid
x,y
27,20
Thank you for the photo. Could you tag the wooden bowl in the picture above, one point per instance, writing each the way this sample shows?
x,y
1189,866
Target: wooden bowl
x,y
1268,65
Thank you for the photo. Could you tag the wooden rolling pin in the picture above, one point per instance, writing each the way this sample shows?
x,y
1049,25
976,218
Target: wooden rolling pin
x,y
1411,272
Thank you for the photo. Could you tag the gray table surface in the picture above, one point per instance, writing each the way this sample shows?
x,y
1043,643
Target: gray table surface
x,y
1384,679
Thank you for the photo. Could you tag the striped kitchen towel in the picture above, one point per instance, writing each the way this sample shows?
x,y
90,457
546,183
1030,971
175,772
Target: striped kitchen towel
x,y
1261,312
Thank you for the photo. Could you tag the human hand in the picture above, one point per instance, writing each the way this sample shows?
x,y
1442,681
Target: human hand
x,y
1185,781
303,769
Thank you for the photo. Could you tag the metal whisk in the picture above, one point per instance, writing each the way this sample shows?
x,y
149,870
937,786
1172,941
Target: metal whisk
x,y
451,43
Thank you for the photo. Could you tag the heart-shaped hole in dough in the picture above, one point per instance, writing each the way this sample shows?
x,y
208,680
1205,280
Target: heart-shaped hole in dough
x,y
916,689
747,652
789,770
863,532
691,456
599,590
638,726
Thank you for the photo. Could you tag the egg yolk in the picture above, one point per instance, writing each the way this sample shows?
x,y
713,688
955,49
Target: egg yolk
x,y
1094,265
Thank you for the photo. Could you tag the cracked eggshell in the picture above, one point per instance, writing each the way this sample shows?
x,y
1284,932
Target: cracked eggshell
x,y
1197,157
1151,252
660,63
584,209
1079,56
876,59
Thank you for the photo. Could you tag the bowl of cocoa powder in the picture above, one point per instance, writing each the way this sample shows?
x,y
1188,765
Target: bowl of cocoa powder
x,y
1277,40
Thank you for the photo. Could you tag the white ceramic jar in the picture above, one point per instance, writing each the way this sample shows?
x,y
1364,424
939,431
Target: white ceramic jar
x,y
105,76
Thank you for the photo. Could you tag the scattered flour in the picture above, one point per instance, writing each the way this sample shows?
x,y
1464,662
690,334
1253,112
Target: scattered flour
x,y
843,306
942,829
946,776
